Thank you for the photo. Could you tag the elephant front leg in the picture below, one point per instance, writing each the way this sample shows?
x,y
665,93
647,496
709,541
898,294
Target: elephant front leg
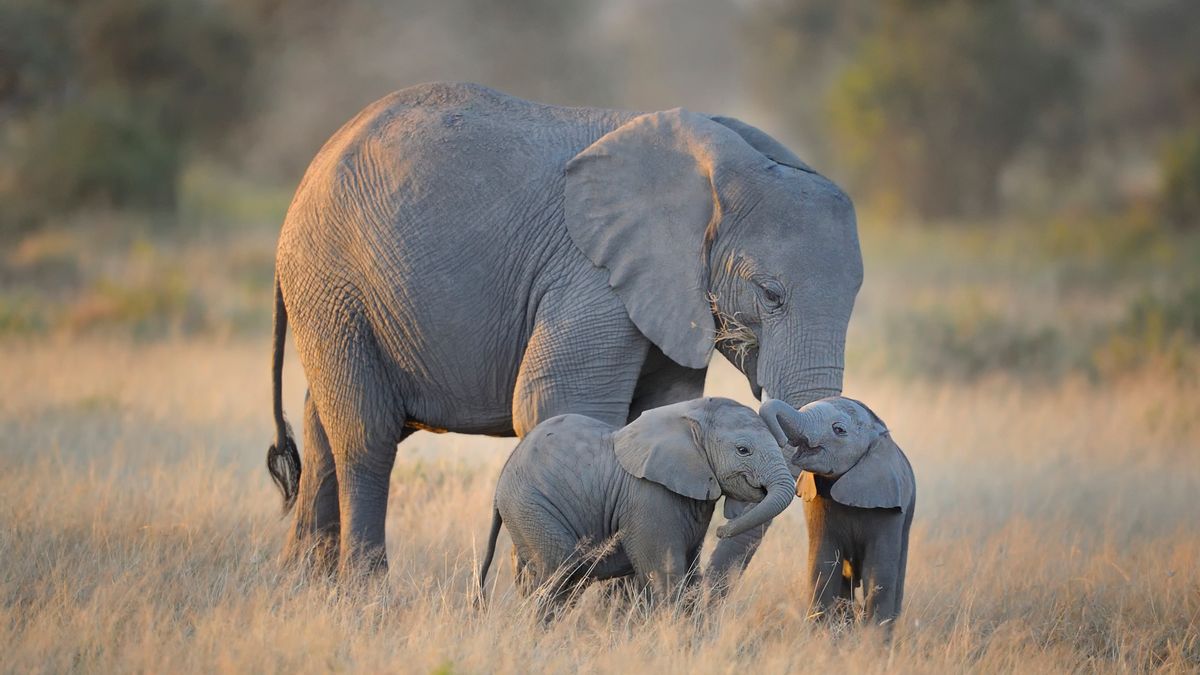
x,y
732,555
832,589
582,358
883,580
667,582
663,382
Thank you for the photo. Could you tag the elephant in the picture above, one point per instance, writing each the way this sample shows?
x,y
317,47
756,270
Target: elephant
x,y
585,501
859,496
457,259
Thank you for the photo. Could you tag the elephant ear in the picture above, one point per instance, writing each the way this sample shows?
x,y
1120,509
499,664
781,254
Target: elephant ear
x,y
806,486
882,479
665,446
763,142
642,203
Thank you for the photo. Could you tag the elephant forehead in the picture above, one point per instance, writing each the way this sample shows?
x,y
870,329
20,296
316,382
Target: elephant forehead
x,y
733,415
860,414
823,409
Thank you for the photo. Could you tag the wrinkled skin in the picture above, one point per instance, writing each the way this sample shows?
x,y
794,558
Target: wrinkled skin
x,y
859,496
575,484
456,259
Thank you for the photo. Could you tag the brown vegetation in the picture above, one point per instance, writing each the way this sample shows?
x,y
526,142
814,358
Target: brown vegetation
x,y
1055,529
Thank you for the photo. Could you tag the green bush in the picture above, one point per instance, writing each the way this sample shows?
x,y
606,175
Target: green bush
x,y
97,153
942,96
101,103
1155,328
968,342
1181,181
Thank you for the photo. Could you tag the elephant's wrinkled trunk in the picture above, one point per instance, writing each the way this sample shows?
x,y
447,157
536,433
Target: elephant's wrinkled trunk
x,y
784,421
779,494
804,369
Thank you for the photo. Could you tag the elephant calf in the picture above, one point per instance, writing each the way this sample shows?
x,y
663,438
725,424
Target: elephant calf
x,y
586,501
859,495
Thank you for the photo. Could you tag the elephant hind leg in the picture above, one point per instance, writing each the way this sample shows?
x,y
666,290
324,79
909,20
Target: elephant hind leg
x,y
315,527
363,415
364,470
551,567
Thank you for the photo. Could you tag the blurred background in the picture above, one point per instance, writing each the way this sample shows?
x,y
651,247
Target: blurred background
x,y
1027,174
1027,179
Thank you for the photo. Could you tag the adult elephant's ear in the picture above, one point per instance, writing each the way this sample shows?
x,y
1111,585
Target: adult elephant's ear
x,y
882,479
665,445
764,143
642,203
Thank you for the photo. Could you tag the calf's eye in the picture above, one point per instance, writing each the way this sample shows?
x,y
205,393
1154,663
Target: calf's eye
x,y
743,451
839,429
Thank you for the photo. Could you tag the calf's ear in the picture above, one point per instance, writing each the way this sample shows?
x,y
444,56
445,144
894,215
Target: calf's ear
x,y
806,486
664,445
882,479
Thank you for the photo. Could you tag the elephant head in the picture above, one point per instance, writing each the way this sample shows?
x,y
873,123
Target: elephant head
x,y
705,448
713,232
842,439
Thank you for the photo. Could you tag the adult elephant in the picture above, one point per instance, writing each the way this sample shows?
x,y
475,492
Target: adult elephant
x,y
456,259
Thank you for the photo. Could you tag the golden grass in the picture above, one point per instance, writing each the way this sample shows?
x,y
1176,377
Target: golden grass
x,y
1056,530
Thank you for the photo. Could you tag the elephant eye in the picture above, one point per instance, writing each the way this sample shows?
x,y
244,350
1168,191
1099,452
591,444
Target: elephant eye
x,y
743,451
772,294
839,429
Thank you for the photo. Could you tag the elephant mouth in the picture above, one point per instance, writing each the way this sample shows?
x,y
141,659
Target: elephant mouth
x,y
755,488
804,451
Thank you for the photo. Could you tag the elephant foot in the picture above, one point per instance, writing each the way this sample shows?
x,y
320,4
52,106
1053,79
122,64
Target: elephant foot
x,y
315,555
364,566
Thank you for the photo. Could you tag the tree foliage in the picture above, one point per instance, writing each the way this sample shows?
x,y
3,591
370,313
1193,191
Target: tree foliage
x,y
942,96
101,101
931,106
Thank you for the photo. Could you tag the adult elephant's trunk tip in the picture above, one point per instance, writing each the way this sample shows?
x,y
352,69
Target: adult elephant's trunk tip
x,y
283,460
779,495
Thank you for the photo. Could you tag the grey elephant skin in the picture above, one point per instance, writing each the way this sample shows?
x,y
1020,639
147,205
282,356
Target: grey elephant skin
x,y
456,259
583,500
859,496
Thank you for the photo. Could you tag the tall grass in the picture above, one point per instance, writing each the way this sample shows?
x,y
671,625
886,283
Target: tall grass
x,y
1049,399
1055,530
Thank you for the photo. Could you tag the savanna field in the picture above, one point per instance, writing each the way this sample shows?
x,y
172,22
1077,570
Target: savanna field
x,y
1042,379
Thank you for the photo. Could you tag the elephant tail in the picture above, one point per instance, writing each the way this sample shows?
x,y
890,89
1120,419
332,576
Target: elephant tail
x,y
283,461
491,551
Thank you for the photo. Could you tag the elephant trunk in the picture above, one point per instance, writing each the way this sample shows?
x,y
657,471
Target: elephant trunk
x,y
817,375
784,421
780,491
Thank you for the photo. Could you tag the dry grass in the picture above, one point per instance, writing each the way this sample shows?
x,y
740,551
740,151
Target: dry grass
x,y
1056,531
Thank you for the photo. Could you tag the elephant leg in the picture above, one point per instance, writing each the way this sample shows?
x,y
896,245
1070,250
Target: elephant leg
x,y
881,592
663,382
883,577
363,416
733,554
316,525
363,474
832,591
558,577
522,576
583,357
663,567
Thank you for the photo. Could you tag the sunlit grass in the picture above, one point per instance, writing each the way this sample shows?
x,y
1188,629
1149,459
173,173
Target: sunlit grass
x,y
1055,530
1048,397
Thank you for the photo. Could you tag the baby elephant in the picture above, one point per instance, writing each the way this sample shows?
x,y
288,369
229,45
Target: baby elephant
x,y
640,496
859,494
